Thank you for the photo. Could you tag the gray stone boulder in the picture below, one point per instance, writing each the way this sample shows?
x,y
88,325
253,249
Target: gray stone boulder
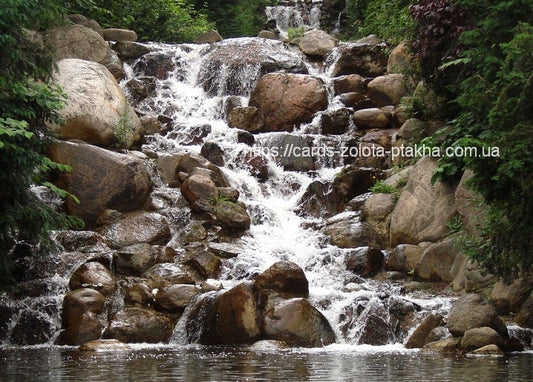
x,y
478,337
133,325
316,43
437,261
101,180
206,263
135,259
168,273
144,227
345,230
96,110
388,89
128,50
82,20
405,258
199,191
116,34
208,37
93,275
401,59
246,118
423,209
79,41
420,336
232,216
287,100
372,118
376,212
509,297
473,311
298,323
366,59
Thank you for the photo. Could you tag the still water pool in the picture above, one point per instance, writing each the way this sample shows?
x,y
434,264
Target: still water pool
x,y
195,363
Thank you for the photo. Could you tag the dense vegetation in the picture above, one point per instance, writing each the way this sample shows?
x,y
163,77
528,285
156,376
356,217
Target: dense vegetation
x,y
26,102
481,58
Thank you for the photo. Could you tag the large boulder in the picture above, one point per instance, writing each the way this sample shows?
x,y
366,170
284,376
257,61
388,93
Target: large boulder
x,y
146,227
287,100
174,298
471,206
96,111
420,336
346,230
298,323
316,43
401,59
199,187
365,59
473,311
232,216
388,89
209,37
139,325
79,41
350,83
96,275
116,34
246,118
79,301
423,209
364,261
234,59
101,180
372,118
478,337
85,328
135,259
285,278
508,297
405,258
437,261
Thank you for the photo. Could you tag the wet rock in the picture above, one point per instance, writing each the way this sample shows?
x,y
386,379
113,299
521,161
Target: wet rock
x,y
405,258
85,328
473,311
231,318
353,181
320,200
423,209
316,43
79,301
268,345
437,261
488,350
139,294
156,65
96,110
245,137
139,325
365,59
170,273
74,240
100,179
444,346
247,118
237,58
167,166
140,88
266,34
335,122
421,334
208,37
147,227
194,232
372,118
351,83
478,337
346,230
213,153
298,323
174,298
93,275
292,151
198,187
356,101
225,250
128,50
104,345
364,261
115,34
151,125
287,100
257,165
388,89
205,263
285,278
32,328
232,216
135,259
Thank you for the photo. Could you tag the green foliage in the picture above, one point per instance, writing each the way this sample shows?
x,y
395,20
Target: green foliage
x,y
295,32
124,130
158,20
387,19
492,84
455,224
26,102
235,18
380,187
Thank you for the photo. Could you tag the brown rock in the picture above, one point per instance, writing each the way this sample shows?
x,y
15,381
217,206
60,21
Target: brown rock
x,y
316,43
346,230
437,261
139,325
365,59
168,273
405,258
372,118
419,337
478,337
208,37
247,118
351,83
388,89
232,216
135,259
93,275
284,277
115,34
364,261
287,100
85,328
80,301
174,298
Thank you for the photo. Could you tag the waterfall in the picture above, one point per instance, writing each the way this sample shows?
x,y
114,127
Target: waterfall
x,y
295,14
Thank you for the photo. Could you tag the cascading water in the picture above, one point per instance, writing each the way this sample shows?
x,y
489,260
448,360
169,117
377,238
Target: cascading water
x,y
194,94
295,14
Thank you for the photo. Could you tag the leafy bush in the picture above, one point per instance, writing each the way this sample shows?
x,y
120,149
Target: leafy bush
x,y
487,66
295,32
380,187
387,19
